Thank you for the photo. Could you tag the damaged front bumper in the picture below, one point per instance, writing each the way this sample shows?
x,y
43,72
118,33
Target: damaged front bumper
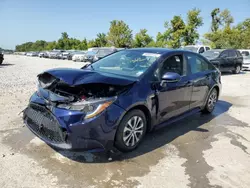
x,y
67,129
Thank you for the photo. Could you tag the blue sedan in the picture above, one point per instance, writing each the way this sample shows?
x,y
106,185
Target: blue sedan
x,y
115,101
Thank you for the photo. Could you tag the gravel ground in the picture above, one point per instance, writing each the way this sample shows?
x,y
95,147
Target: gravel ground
x,y
200,151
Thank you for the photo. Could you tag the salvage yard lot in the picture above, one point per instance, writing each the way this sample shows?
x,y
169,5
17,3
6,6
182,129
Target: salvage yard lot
x,y
199,151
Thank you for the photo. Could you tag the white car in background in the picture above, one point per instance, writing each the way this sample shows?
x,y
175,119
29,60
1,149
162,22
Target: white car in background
x,y
32,54
196,48
79,56
246,59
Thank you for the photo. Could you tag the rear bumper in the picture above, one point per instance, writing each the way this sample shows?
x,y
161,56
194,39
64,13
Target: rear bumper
x,y
65,129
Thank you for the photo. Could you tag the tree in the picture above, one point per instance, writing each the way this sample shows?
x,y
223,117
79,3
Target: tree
x,y
101,40
175,32
194,20
119,35
226,18
142,39
51,45
216,20
92,43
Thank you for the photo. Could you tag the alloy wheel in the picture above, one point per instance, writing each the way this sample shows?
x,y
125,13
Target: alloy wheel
x,y
237,69
212,100
133,131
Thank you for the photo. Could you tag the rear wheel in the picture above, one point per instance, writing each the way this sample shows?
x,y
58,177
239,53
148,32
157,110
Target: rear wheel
x,y
237,69
131,131
211,101
1,61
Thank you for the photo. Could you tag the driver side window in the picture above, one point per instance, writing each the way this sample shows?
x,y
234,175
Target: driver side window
x,y
171,64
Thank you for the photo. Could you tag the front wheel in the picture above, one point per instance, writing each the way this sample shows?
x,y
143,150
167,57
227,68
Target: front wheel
x,y
237,69
131,131
211,101
1,61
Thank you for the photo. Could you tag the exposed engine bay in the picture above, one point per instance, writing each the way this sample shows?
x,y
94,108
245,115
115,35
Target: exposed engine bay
x,y
78,92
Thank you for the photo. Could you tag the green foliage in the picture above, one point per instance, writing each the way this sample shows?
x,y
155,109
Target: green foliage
x,y
101,40
142,39
119,35
92,43
194,20
216,20
223,35
226,18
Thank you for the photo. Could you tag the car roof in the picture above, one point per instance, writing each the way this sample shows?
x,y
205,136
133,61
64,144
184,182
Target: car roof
x,y
153,50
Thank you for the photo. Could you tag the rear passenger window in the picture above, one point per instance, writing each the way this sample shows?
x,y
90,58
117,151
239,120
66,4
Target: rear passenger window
x,y
198,64
232,54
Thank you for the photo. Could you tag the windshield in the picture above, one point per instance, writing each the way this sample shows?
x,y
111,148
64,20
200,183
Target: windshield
x,y
190,48
211,53
127,63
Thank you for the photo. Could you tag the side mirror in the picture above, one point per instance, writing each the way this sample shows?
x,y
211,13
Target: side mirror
x,y
170,77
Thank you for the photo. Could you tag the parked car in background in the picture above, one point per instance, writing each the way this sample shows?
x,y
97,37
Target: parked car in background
x,y
89,56
196,48
55,54
246,62
32,54
102,52
245,52
70,56
41,54
225,60
1,57
116,100
63,55
79,56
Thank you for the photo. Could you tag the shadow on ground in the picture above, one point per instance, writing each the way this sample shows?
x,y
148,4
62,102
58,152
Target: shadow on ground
x,y
6,65
230,73
159,138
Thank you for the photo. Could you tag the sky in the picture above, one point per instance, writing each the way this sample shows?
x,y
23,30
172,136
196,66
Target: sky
x,y
30,20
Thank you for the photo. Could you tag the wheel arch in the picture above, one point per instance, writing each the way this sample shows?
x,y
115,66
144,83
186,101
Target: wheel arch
x,y
144,109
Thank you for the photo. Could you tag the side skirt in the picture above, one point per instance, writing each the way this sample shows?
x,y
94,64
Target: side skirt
x,y
177,118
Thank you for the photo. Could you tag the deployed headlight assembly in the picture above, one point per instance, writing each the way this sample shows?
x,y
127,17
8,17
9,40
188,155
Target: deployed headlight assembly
x,y
91,108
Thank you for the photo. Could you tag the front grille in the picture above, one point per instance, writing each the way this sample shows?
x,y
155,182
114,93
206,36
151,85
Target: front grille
x,y
44,124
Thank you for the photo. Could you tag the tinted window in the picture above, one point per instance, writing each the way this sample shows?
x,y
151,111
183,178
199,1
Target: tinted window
x,y
172,64
245,53
232,53
201,50
198,64
224,54
207,48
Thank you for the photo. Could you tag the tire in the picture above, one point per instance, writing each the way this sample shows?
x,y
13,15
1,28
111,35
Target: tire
x,y
123,141
211,101
237,69
1,61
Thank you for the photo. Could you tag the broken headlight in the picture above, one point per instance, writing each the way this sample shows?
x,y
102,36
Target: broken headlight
x,y
91,108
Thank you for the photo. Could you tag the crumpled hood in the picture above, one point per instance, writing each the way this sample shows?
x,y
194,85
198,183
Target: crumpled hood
x,y
80,76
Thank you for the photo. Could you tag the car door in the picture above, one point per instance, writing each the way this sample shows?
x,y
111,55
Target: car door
x,y
232,60
200,75
174,98
223,59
